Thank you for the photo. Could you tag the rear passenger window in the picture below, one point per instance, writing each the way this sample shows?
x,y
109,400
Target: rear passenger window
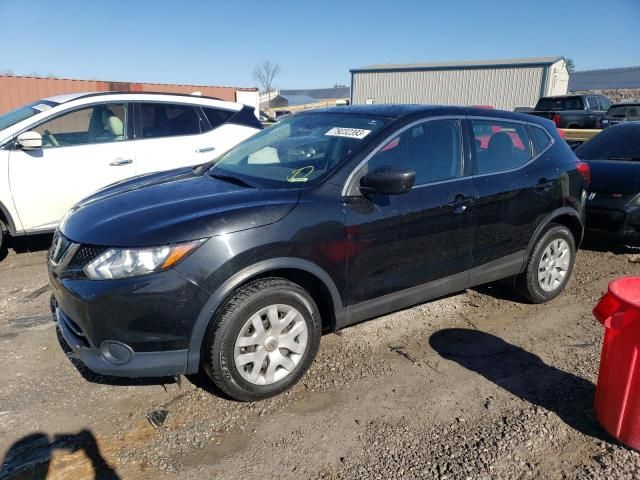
x,y
431,149
540,139
168,120
500,145
217,116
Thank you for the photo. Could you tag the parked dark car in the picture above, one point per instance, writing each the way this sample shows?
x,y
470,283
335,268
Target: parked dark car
x,y
573,111
613,203
326,219
622,112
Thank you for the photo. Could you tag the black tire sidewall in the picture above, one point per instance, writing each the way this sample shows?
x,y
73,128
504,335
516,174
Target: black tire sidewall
x,y
222,368
535,292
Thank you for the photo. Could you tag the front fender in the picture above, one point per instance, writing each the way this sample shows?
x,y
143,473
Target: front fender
x,y
260,268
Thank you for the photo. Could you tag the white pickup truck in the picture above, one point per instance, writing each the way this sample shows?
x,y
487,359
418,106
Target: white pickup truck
x,y
58,150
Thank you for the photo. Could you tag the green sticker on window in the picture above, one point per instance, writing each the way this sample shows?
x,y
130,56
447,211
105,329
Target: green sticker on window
x,y
300,174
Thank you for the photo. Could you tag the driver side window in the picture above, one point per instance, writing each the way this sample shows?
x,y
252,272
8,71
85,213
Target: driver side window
x,y
97,124
432,149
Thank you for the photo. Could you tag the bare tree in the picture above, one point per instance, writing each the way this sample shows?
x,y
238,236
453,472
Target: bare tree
x,y
264,74
7,71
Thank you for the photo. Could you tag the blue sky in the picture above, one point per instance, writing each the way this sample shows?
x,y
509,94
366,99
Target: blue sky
x,y
315,43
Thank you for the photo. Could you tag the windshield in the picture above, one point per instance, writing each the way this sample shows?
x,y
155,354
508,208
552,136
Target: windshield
x,y
24,112
297,151
614,143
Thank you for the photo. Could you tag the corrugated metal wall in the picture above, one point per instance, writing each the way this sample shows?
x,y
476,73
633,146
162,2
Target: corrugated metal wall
x,y
503,88
16,91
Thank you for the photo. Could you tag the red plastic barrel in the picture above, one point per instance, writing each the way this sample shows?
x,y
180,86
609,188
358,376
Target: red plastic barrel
x,y
617,401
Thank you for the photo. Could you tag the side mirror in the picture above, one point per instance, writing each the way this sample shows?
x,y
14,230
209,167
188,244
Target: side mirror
x,y
388,181
29,140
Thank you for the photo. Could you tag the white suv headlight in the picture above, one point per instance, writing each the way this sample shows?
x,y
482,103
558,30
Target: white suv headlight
x,y
133,262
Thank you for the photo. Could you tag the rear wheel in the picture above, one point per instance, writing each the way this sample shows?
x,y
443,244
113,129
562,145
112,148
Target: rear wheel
x,y
263,340
3,240
549,266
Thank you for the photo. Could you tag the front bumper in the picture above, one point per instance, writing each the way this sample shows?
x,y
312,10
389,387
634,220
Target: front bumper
x,y
137,327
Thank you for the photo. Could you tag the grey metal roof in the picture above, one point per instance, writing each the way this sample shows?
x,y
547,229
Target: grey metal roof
x,y
320,93
463,64
296,99
625,77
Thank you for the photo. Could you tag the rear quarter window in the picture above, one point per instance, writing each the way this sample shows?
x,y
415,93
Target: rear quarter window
x,y
217,116
540,139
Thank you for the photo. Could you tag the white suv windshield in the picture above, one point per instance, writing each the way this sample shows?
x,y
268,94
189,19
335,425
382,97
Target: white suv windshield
x,y
298,150
22,113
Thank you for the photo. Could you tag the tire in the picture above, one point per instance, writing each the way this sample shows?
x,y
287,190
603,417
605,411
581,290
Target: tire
x,y
245,328
546,276
3,240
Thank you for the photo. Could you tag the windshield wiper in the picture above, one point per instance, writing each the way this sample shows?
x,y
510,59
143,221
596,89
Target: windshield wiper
x,y
231,179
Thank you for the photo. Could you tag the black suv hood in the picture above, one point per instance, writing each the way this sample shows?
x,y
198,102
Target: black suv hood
x,y
174,206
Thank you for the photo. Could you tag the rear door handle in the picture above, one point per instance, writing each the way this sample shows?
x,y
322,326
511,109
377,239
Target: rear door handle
x,y
460,204
543,187
205,149
121,161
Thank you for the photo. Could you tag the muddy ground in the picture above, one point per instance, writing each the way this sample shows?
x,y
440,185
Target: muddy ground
x,y
476,385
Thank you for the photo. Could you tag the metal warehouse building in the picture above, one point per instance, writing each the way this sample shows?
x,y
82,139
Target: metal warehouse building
x,y
503,84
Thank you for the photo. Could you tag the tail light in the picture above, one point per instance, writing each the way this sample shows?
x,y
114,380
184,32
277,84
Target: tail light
x,y
556,120
585,171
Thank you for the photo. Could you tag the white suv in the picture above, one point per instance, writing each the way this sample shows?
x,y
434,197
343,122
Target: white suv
x,y
58,150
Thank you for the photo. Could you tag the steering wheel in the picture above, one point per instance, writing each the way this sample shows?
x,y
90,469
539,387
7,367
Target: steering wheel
x,y
51,139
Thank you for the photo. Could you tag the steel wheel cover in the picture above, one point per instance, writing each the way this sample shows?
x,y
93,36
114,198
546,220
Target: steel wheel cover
x,y
270,344
554,265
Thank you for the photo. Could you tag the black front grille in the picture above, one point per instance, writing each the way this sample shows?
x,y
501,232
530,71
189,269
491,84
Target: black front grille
x,y
59,247
84,255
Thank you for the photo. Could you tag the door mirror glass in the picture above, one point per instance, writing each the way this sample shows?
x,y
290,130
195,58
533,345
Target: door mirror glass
x,y
29,141
387,181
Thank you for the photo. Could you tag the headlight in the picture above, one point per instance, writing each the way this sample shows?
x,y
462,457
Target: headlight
x,y
133,262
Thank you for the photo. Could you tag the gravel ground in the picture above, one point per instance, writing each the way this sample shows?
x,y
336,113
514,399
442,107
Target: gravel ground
x,y
476,385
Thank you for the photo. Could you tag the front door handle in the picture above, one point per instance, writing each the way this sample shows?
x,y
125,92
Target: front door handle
x,y
121,161
460,204
205,149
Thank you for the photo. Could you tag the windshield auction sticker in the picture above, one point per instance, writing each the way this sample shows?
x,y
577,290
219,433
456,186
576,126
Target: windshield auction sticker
x,y
358,133
41,107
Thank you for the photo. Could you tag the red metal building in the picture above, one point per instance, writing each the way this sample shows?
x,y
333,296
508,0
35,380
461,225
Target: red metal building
x,y
16,91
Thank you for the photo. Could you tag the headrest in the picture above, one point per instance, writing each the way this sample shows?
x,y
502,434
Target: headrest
x,y
115,126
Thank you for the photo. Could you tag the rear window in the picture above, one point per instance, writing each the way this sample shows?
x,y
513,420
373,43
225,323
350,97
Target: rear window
x,y
617,112
624,111
614,143
560,103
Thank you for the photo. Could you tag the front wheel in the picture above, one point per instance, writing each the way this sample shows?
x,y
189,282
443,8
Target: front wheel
x,y
549,266
263,339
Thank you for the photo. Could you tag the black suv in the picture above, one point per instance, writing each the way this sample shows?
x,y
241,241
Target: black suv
x,y
321,221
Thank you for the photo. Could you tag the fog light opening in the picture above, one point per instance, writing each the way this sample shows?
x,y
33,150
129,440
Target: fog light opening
x,y
116,352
